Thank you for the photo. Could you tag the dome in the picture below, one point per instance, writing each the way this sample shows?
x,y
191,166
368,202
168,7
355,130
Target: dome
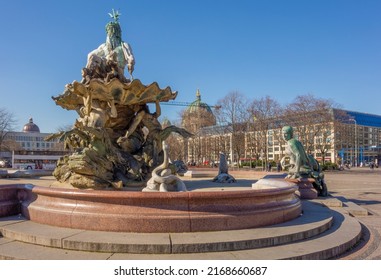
x,y
31,127
197,104
197,115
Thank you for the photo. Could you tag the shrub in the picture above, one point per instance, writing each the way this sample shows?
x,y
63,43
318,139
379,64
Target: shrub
x,y
329,166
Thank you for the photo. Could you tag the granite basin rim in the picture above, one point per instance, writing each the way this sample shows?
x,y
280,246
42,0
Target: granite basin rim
x,y
131,211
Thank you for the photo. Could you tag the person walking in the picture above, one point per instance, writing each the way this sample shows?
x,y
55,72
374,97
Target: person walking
x,y
278,167
269,167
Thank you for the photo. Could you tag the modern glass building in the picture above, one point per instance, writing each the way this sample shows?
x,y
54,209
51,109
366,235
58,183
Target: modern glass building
x,y
366,144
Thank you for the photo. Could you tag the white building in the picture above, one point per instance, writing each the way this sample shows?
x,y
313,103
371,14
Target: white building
x,y
29,149
348,136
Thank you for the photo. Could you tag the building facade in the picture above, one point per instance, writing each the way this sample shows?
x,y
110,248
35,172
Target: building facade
x,y
195,118
364,142
346,137
29,149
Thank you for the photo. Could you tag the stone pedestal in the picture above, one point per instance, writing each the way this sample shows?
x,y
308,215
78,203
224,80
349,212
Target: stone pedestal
x,y
306,189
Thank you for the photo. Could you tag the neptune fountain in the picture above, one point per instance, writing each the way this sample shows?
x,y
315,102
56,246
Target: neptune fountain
x,y
117,192
116,143
116,140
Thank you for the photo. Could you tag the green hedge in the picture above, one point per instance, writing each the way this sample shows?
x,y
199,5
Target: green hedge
x,y
256,163
329,166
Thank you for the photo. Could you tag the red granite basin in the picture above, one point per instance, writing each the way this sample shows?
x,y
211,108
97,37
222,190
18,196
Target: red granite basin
x,y
126,211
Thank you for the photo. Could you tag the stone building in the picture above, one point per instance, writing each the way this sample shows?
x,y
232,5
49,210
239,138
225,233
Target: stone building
x,y
195,117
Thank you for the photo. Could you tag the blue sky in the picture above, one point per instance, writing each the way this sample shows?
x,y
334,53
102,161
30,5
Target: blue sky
x,y
329,48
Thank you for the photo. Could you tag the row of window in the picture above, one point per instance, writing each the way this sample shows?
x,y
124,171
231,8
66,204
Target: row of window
x,y
37,145
317,155
27,138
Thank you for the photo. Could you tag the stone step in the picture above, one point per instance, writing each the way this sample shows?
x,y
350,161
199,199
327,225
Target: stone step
x,y
355,209
349,207
315,220
329,201
16,250
343,235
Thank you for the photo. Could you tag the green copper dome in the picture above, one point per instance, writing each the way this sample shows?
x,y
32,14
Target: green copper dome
x,y
197,115
197,104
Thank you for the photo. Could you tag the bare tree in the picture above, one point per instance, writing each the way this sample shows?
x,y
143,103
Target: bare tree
x,y
175,142
265,113
65,127
312,119
234,115
7,123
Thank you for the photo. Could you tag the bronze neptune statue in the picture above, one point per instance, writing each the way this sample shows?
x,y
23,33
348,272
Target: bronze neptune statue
x,y
116,141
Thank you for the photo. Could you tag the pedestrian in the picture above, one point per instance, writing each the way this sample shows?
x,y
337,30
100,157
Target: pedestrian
x,y
278,166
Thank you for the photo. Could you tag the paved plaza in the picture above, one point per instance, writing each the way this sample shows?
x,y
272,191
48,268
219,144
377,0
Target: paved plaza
x,y
360,186
363,187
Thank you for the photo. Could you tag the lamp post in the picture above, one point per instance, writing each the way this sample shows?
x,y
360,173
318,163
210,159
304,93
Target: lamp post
x,y
353,119
262,156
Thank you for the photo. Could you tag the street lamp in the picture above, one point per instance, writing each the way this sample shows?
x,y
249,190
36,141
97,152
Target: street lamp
x,y
262,156
353,120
